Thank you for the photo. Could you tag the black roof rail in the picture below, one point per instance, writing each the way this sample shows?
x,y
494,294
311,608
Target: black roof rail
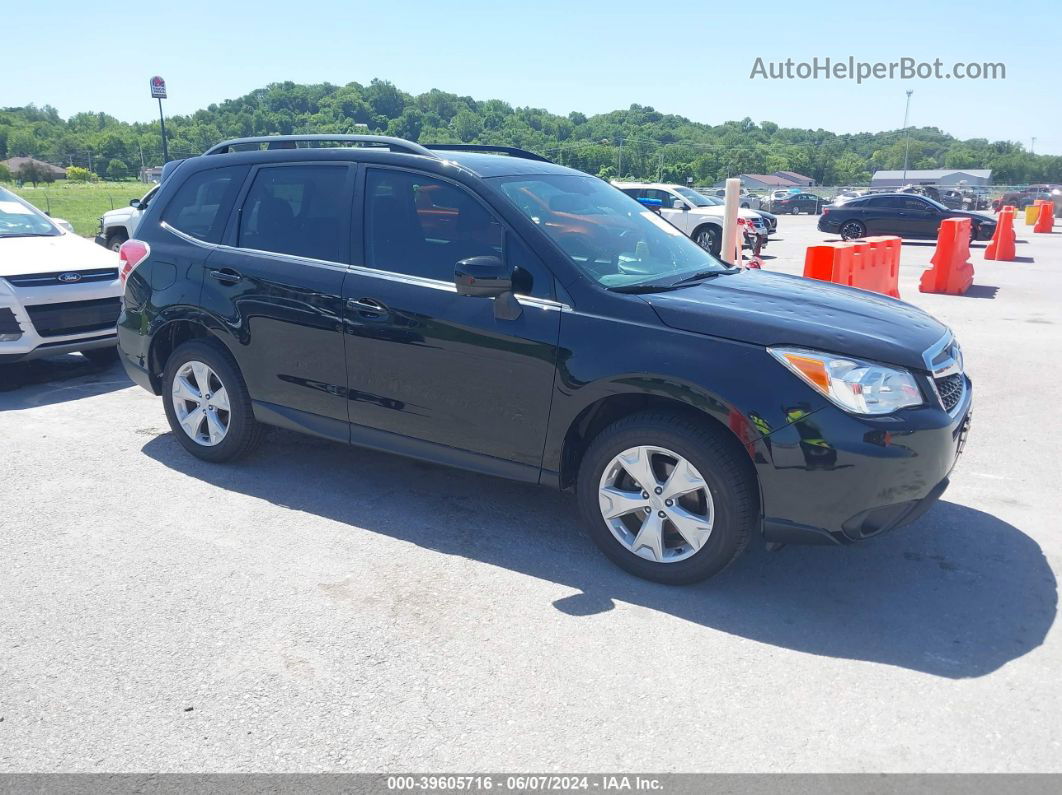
x,y
291,141
512,151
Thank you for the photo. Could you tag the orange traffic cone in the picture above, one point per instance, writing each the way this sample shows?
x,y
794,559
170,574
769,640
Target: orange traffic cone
x,y
1046,220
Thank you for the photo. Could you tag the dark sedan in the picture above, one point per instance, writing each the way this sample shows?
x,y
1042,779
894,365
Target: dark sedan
x,y
796,203
902,214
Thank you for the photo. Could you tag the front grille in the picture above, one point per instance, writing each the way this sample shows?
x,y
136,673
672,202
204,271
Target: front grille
x,y
8,324
950,388
74,317
52,279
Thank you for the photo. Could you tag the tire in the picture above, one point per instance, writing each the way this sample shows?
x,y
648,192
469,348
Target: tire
x,y
851,230
242,432
115,239
710,238
102,357
729,483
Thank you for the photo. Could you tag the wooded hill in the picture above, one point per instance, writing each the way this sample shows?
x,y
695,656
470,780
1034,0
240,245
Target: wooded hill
x,y
638,142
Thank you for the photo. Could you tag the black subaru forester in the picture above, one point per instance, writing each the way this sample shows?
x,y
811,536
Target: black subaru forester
x,y
484,308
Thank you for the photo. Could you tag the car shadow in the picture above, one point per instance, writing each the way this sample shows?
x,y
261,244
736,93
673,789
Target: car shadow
x,y
958,594
1024,259
56,379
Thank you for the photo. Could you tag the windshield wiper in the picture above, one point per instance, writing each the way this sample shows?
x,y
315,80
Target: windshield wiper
x,y
28,234
643,287
699,275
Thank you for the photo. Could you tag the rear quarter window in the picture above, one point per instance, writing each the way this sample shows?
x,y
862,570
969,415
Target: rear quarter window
x,y
201,206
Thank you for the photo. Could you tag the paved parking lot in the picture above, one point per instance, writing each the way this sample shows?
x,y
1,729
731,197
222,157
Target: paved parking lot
x,y
325,608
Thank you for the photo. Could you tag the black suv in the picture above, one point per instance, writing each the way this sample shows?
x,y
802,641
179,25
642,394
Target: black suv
x,y
497,312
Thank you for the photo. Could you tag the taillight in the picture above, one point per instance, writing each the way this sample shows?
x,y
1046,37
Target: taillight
x,y
131,254
825,210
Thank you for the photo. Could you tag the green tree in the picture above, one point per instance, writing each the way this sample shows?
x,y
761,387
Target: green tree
x,y
21,143
33,172
78,174
117,169
5,173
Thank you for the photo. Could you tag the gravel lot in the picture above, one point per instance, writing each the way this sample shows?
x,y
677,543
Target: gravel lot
x,y
325,608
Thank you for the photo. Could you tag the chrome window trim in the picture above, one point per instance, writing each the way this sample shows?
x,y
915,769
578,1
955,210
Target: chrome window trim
x,y
391,276
187,237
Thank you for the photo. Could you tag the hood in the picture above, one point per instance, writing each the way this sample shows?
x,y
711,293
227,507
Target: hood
x,y
984,219
716,211
118,214
67,252
766,308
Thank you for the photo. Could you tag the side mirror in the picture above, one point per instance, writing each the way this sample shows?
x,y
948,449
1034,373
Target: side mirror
x,y
134,203
488,277
678,204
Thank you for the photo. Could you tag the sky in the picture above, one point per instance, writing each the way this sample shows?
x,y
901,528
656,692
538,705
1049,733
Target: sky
x,y
690,58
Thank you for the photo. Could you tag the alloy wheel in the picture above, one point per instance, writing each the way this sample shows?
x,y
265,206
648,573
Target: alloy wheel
x,y
656,503
851,230
706,239
201,403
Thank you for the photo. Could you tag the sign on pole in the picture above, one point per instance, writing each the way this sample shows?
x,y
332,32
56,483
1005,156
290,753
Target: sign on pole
x,y
158,88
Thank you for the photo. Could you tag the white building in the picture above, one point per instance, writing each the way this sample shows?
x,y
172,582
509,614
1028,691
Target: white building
x,y
938,176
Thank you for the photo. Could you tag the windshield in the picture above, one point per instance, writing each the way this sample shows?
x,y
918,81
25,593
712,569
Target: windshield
x,y
19,219
694,198
607,234
935,203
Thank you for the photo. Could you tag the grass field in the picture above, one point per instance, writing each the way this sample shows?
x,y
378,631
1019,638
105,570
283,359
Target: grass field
x,y
81,203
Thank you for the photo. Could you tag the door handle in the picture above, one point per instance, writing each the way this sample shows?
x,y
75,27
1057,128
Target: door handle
x,y
226,275
368,308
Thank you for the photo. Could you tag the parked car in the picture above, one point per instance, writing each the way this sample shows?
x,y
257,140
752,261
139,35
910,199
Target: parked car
x,y
687,408
746,200
796,203
770,220
846,196
698,216
904,214
1028,196
118,225
58,292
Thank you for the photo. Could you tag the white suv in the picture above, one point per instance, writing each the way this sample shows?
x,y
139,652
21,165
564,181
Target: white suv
x,y
58,292
118,225
695,214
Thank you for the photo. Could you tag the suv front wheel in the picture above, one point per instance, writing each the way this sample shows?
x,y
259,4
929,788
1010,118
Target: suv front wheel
x,y
207,404
667,497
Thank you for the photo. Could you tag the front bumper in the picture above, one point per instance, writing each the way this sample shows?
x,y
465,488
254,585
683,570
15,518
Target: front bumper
x,y
32,345
835,478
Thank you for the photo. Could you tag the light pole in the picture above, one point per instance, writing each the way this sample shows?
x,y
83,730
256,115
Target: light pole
x,y
907,134
1032,149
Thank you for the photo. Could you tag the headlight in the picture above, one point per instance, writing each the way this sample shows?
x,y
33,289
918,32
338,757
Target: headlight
x,y
855,385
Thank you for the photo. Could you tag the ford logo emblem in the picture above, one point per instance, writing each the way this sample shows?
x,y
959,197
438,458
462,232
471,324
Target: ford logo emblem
x,y
68,278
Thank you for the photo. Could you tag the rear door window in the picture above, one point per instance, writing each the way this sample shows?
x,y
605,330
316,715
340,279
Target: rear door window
x,y
298,210
201,206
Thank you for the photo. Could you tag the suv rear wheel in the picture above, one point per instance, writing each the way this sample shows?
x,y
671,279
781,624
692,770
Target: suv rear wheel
x,y
207,404
666,497
709,238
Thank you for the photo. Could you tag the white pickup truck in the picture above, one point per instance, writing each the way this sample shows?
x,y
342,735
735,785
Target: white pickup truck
x,y
117,226
695,215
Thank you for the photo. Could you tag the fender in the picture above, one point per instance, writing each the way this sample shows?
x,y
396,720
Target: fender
x,y
734,383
